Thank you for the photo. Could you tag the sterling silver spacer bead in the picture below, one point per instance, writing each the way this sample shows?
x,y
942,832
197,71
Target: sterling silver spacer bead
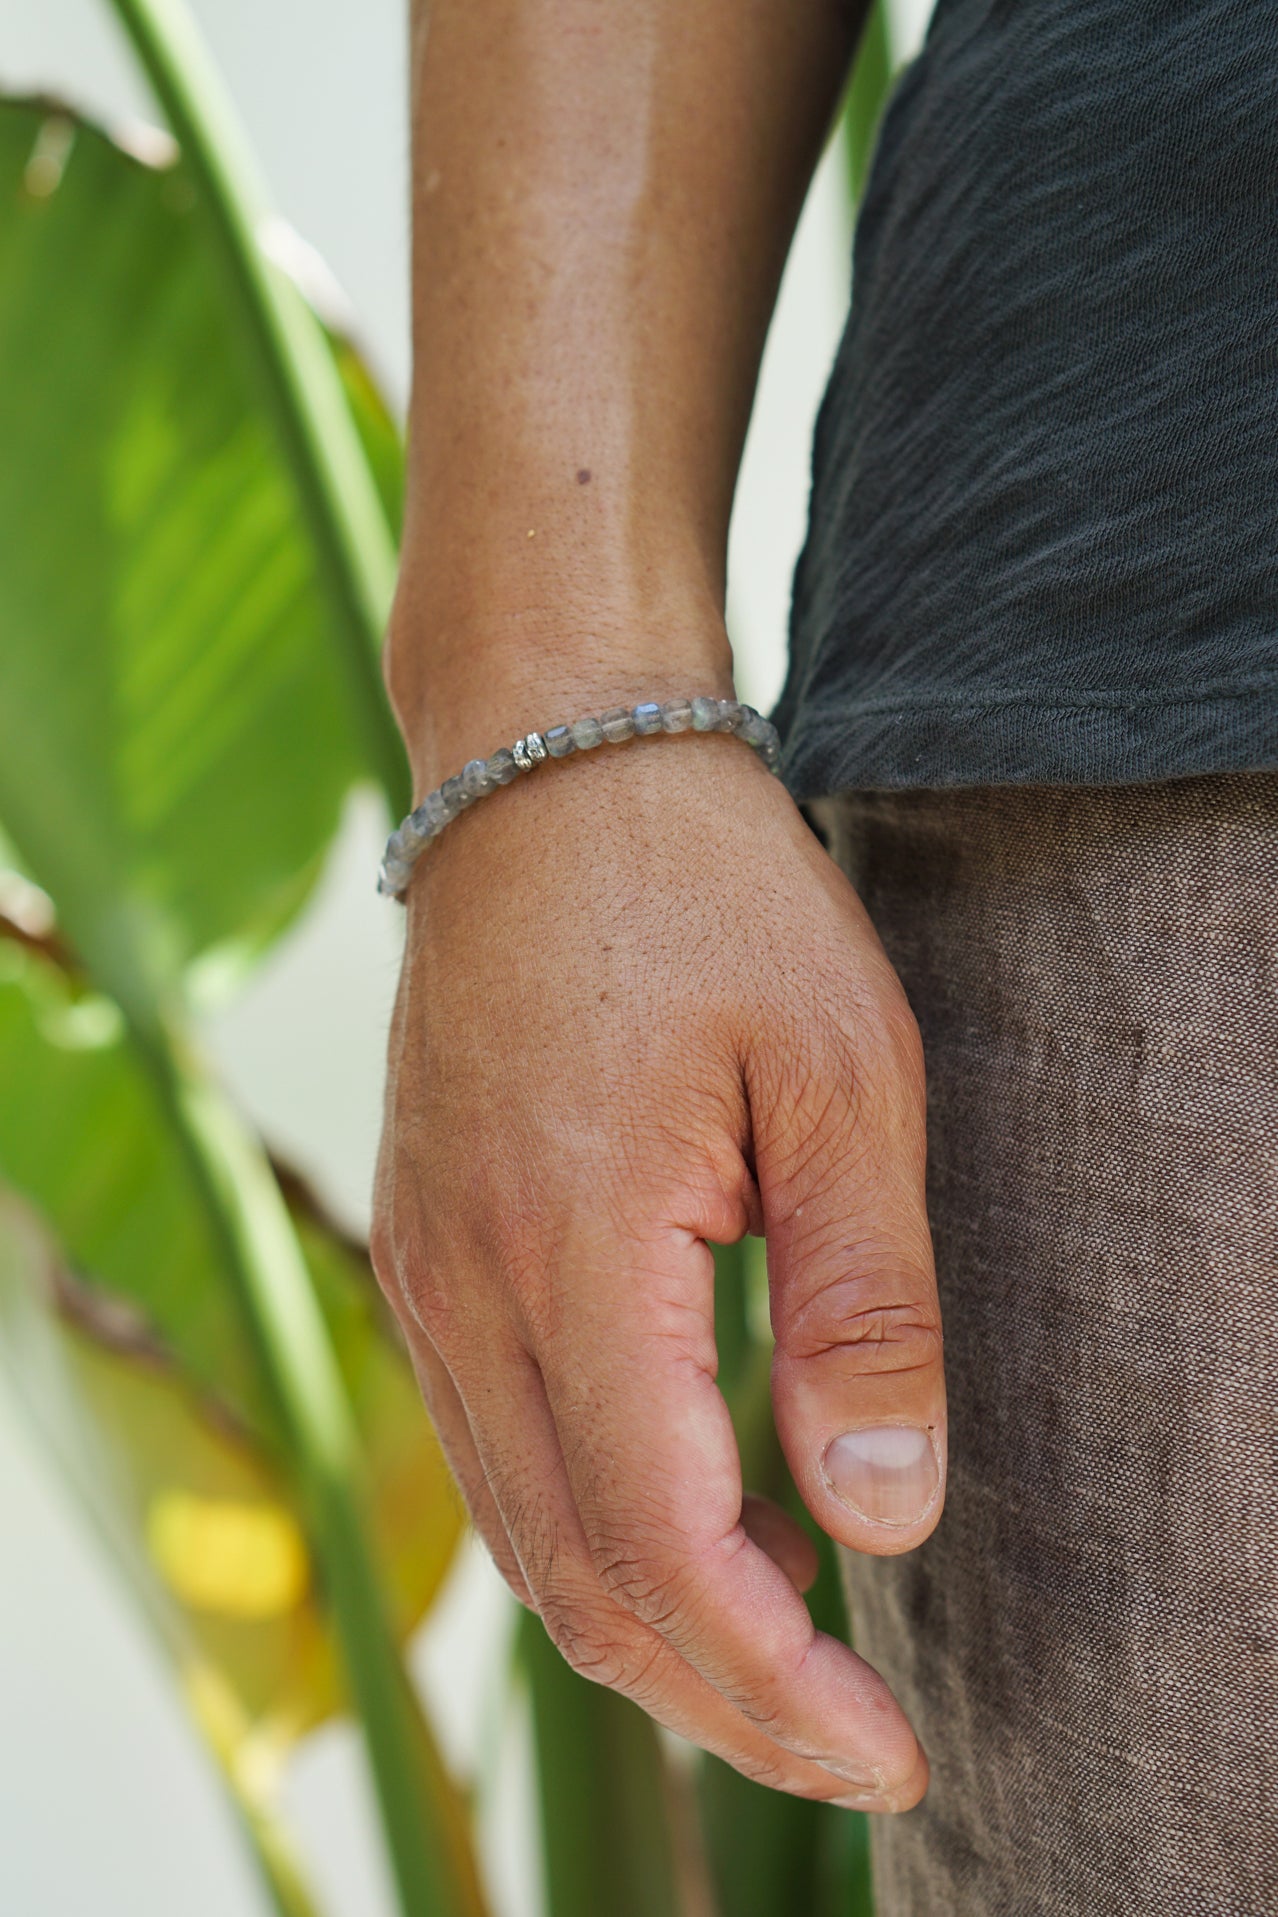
x,y
529,751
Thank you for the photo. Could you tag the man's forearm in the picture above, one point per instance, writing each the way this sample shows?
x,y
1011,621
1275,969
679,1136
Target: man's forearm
x,y
603,197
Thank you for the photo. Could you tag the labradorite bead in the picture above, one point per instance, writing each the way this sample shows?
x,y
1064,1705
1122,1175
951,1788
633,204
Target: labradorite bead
x,y
475,778
705,715
559,741
435,811
753,729
676,716
501,767
587,733
618,724
453,794
729,714
647,718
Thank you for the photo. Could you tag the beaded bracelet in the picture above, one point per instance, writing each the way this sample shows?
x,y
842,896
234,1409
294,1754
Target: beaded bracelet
x,y
481,776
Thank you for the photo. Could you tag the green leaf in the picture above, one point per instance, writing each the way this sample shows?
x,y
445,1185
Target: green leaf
x,y
866,98
82,1140
175,742
349,531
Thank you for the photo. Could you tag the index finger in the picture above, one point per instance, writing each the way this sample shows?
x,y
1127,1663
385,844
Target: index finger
x,y
653,1465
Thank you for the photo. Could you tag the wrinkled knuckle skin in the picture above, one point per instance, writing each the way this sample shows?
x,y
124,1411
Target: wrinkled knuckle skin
x,y
419,1295
825,1145
589,1647
871,1336
643,1582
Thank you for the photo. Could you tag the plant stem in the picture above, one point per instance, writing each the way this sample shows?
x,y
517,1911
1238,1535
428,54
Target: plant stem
x,y
423,1827
354,546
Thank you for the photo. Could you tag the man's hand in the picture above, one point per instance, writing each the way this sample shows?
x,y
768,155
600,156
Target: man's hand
x,y
642,1010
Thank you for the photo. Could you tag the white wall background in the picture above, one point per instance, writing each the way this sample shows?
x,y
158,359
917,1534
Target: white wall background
x,y
107,1805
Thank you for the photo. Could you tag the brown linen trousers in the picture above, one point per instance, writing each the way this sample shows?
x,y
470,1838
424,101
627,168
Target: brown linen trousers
x,y
1088,1646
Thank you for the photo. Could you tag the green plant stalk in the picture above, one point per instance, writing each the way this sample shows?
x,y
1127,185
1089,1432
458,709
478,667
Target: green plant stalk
x,y
866,98
432,1869
608,1845
354,546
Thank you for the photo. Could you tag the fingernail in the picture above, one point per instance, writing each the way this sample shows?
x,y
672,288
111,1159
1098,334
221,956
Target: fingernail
x,y
889,1475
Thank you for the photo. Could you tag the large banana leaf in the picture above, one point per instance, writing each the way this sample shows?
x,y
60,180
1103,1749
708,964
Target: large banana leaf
x,y
174,739
157,1348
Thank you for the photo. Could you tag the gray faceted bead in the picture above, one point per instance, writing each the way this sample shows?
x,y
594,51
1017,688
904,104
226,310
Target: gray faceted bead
x,y
676,716
618,724
705,715
475,780
453,794
416,831
501,767
729,714
559,741
754,729
586,733
647,718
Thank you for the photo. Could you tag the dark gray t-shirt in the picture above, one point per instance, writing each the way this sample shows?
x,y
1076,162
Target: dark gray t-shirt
x,y
1044,526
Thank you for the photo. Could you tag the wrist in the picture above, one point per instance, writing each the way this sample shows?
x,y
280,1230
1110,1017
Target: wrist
x,y
465,679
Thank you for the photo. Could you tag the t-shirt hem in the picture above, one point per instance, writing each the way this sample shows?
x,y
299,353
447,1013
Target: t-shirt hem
x,y
1025,738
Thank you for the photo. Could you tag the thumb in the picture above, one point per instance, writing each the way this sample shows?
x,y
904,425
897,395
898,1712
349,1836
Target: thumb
x,y
857,1384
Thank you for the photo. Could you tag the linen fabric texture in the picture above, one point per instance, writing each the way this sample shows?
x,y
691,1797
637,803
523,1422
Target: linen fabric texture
x,y
1088,1645
1044,523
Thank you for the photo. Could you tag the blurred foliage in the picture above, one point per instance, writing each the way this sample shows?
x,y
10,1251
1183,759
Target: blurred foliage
x,y
867,96
199,487
176,746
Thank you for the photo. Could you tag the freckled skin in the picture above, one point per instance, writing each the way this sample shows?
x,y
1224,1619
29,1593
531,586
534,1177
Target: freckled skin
x,y
640,1009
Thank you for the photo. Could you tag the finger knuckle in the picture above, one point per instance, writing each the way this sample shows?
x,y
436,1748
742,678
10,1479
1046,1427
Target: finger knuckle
x,y
591,1646
762,1705
823,1144
640,1576
426,1299
871,1334
508,1566
411,1279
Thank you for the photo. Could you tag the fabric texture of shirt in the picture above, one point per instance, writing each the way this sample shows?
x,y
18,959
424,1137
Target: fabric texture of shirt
x,y
1043,543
